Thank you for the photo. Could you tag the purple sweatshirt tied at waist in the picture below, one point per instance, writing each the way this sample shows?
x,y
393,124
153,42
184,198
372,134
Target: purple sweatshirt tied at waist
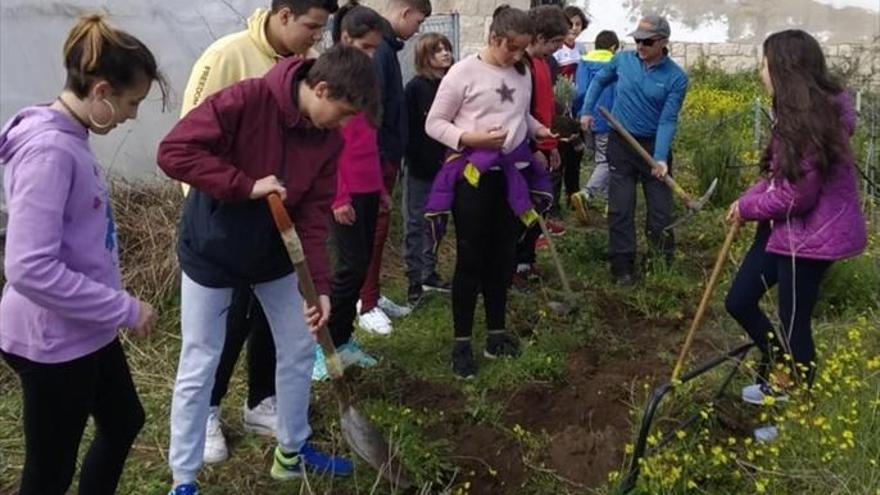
x,y
529,187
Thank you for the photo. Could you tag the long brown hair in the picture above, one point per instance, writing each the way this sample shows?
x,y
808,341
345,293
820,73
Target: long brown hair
x,y
426,47
95,50
807,117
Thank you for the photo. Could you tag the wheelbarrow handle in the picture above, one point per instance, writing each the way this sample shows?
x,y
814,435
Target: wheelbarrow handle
x,y
667,179
306,284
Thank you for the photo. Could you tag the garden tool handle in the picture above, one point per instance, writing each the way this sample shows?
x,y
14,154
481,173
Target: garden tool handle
x,y
667,179
565,285
707,295
294,248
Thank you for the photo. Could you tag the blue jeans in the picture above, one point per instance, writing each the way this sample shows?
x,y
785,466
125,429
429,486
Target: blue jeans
x,y
203,320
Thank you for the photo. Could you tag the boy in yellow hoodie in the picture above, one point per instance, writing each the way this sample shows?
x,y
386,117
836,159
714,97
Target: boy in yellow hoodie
x,y
288,28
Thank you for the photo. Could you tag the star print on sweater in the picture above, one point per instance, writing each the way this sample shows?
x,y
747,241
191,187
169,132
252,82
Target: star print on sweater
x,y
505,92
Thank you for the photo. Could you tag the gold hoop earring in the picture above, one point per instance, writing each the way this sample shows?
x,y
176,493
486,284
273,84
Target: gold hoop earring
x,y
109,122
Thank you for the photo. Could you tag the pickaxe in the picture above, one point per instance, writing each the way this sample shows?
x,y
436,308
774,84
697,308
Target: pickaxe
x,y
692,205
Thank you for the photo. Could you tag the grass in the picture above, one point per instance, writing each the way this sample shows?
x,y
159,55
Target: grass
x,y
413,396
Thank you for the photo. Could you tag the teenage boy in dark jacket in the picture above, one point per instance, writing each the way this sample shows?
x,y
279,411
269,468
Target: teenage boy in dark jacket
x,y
403,19
275,134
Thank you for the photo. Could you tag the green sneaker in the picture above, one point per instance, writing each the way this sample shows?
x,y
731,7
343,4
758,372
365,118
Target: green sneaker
x,y
290,467
284,467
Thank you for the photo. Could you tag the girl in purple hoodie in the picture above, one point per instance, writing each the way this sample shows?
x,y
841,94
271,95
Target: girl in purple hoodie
x,y
63,303
806,204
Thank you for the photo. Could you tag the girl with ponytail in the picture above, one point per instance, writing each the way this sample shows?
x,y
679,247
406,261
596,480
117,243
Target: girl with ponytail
x,y
63,304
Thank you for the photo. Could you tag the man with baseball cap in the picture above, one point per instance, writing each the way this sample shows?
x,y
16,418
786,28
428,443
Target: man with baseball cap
x,y
650,91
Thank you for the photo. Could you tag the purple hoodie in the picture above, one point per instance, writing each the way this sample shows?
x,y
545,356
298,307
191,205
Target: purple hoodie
x,y
63,297
812,218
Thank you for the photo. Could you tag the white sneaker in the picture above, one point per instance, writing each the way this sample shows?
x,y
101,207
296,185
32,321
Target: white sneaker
x,y
375,321
262,419
766,434
393,309
215,442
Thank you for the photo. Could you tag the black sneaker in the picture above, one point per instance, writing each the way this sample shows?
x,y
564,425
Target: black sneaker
x,y
414,294
463,363
501,344
435,283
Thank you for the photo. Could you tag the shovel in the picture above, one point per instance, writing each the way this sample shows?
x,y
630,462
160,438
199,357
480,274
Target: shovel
x,y
567,306
363,438
704,302
693,205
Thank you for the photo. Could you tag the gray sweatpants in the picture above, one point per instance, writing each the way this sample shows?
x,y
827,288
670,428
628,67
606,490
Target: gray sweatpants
x,y
599,179
203,318
418,243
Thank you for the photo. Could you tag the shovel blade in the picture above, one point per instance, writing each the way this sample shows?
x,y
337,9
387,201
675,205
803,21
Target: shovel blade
x,y
369,444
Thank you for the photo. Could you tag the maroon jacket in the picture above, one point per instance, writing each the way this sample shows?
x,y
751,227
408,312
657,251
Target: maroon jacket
x,y
236,136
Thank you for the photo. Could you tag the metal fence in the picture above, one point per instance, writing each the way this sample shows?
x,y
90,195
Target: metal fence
x,y
446,24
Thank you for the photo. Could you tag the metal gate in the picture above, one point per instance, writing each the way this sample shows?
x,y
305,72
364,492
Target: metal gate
x,y
445,24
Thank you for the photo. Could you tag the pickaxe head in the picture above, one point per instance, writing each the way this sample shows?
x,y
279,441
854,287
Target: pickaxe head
x,y
695,205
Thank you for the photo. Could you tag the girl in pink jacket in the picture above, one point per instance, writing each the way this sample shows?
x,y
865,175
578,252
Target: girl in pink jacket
x,y
806,204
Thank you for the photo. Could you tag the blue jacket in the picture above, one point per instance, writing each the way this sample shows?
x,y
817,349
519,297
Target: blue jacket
x,y
393,132
587,69
646,100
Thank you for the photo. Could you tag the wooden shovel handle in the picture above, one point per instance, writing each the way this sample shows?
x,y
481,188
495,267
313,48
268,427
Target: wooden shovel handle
x,y
707,295
306,283
668,180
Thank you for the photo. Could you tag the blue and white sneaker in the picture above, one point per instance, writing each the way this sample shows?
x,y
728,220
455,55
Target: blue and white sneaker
x,y
761,394
319,371
766,434
352,354
289,467
185,489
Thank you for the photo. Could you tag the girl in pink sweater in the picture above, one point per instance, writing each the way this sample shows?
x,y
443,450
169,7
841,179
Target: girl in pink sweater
x,y
481,111
359,195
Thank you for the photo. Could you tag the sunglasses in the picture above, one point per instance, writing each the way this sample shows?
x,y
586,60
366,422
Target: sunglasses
x,y
646,42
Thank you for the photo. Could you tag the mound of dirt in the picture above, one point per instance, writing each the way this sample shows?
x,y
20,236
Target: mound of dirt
x,y
491,461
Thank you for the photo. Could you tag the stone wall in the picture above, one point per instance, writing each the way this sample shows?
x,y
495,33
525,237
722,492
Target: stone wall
x,y
861,63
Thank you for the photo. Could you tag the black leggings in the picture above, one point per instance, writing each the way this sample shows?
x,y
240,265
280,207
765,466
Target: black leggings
x,y
354,249
58,400
799,280
246,321
486,232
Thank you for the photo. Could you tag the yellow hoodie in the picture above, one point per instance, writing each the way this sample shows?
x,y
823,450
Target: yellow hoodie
x,y
230,59
233,58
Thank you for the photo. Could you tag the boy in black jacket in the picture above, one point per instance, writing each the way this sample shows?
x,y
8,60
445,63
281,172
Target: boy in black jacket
x,y
403,19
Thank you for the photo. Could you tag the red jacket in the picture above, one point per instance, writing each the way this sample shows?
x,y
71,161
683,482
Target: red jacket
x,y
238,135
543,101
